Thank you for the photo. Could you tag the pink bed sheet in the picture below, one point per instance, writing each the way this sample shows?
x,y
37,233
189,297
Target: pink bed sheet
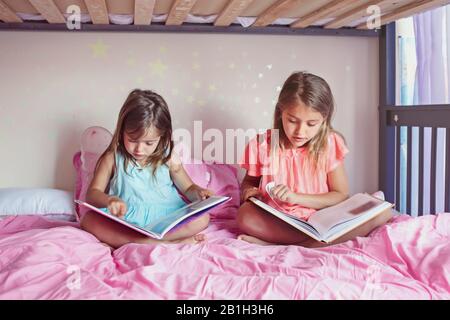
x,y
407,259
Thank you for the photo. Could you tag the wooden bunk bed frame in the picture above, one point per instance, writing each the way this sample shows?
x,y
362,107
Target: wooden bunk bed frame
x,y
309,17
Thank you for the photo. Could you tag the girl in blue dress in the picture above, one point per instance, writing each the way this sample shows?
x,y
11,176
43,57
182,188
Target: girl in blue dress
x,y
137,177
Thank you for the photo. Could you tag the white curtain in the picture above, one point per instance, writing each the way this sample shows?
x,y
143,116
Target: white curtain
x,y
432,33
432,86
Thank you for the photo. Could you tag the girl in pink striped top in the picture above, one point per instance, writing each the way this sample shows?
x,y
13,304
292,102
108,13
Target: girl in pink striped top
x,y
303,157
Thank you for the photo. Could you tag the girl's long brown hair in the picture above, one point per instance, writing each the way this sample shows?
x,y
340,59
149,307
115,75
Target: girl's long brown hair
x,y
143,109
314,92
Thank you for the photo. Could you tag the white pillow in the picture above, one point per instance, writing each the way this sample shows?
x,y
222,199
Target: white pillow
x,y
52,203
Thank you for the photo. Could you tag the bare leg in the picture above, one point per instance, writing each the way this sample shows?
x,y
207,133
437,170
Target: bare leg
x,y
116,235
192,228
263,228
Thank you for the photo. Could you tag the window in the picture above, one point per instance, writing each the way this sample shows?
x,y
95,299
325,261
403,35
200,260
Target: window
x,y
423,78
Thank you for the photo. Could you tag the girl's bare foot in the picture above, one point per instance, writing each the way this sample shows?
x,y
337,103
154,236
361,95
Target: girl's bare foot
x,y
200,237
195,239
247,238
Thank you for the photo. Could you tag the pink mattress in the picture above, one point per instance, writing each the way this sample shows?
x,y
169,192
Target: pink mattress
x,y
407,259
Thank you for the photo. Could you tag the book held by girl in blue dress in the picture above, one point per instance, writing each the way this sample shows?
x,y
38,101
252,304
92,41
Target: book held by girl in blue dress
x,y
158,228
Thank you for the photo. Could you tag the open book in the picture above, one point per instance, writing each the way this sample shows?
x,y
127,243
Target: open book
x,y
159,228
328,224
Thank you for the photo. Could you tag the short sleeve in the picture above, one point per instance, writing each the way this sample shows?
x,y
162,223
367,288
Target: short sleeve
x,y
337,151
175,159
251,160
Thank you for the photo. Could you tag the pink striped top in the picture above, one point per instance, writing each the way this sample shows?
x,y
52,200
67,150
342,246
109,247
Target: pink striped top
x,y
289,167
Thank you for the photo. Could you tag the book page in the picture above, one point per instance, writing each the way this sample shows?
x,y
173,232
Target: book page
x,y
353,209
160,227
300,224
163,225
106,213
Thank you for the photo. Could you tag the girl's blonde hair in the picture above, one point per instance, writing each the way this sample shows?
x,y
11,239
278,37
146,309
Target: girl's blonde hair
x,y
314,92
143,109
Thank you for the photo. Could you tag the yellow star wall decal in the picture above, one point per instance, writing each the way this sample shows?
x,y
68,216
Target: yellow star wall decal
x,y
158,68
99,49
131,62
197,85
163,49
212,88
190,99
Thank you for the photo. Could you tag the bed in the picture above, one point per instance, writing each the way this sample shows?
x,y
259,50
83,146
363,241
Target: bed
x,y
43,256
408,258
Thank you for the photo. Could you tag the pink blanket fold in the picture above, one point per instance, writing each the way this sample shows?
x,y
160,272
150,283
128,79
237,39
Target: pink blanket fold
x,y
407,259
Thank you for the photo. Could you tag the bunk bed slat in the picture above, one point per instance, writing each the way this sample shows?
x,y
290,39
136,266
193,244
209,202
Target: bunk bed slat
x,y
447,170
433,170
274,12
98,11
323,12
397,168
420,175
179,11
49,10
7,15
232,10
409,169
143,11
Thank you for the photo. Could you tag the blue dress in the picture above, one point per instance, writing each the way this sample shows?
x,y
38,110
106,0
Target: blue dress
x,y
148,197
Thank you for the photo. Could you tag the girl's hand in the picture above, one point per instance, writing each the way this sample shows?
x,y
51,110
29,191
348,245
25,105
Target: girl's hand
x,y
283,193
117,206
195,193
251,192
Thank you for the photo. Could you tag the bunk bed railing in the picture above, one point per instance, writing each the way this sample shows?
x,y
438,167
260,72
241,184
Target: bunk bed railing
x,y
421,184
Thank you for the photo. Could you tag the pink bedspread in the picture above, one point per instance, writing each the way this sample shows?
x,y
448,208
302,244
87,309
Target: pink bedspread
x,y
407,259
